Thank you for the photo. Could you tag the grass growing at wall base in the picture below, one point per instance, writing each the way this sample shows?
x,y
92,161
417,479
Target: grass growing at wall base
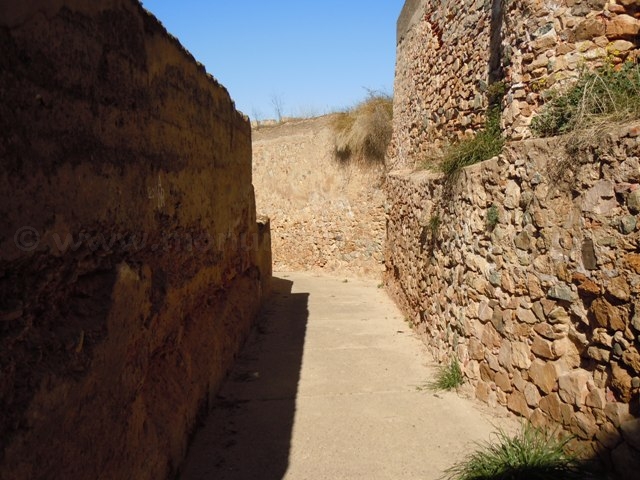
x,y
448,377
486,144
531,454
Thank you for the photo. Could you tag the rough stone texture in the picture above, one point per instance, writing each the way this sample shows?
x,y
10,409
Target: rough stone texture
x,y
449,52
129,243
471,287
324,216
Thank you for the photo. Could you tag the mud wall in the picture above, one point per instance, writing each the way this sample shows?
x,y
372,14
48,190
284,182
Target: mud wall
x,y
325,216
129,247
451,52
527,269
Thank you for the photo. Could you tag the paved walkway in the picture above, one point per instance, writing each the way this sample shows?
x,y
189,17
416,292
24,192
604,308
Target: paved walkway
x,y
326,388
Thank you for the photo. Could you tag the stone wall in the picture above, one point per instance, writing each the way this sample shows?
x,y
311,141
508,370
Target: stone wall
x,y
450,52
527,269
129,247
324,216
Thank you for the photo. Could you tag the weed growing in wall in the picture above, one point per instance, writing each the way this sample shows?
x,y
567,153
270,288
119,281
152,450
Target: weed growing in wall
x,y
363,133
486,144
610,94
492,217
531,454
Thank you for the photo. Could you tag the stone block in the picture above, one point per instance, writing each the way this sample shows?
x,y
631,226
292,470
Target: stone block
x,y
609,436
492,361
600,198
539,419
504,356
535,289
561,291
543,375
543,348
551,405
586,286
626,461
619,288
617,413
476,349
517,403
633,199
550,332
631,432
599,354
596,399
486,374
520,355
589,29
573,386
490,337
633,261
532,395
526,316
503,382
607,315
622,27
631,358
482,391
628,224
621,381
583,426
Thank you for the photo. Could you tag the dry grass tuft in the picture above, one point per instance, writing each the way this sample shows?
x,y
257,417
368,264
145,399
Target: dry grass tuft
x,y
597,100
363,133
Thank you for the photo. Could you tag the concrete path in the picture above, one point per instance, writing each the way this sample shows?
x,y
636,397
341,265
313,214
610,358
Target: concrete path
x,y
328,388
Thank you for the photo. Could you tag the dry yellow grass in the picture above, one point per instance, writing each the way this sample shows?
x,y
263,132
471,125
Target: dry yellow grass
x,y
363,133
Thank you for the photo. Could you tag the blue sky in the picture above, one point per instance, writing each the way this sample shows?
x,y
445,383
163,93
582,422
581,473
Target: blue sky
x,y
314,56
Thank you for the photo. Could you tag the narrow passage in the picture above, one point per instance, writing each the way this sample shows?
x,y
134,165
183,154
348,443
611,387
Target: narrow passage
x,y
327,387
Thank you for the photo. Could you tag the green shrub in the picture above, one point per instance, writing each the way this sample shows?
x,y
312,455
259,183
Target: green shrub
x,y
608,94
531,454
434,224
486,144
448,377
492,217
363,133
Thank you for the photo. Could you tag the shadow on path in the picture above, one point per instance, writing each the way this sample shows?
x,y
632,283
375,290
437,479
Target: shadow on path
x,y
248,432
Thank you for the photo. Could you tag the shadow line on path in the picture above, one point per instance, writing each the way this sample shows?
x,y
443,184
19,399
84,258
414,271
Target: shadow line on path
x,y
248,433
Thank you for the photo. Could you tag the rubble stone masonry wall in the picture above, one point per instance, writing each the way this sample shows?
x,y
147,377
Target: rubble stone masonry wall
x,y
131,262
450,52
527,269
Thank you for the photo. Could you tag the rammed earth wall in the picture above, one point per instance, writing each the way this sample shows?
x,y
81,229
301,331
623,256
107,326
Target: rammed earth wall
x,y
131,262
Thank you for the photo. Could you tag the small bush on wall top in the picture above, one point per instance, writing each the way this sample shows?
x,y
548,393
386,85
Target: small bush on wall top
x,y
363,133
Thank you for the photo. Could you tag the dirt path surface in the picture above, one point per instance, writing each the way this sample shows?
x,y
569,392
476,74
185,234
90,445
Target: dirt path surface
x,y
328,388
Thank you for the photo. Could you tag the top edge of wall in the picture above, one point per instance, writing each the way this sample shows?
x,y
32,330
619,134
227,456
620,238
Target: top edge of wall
x,y
409,16
14,14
